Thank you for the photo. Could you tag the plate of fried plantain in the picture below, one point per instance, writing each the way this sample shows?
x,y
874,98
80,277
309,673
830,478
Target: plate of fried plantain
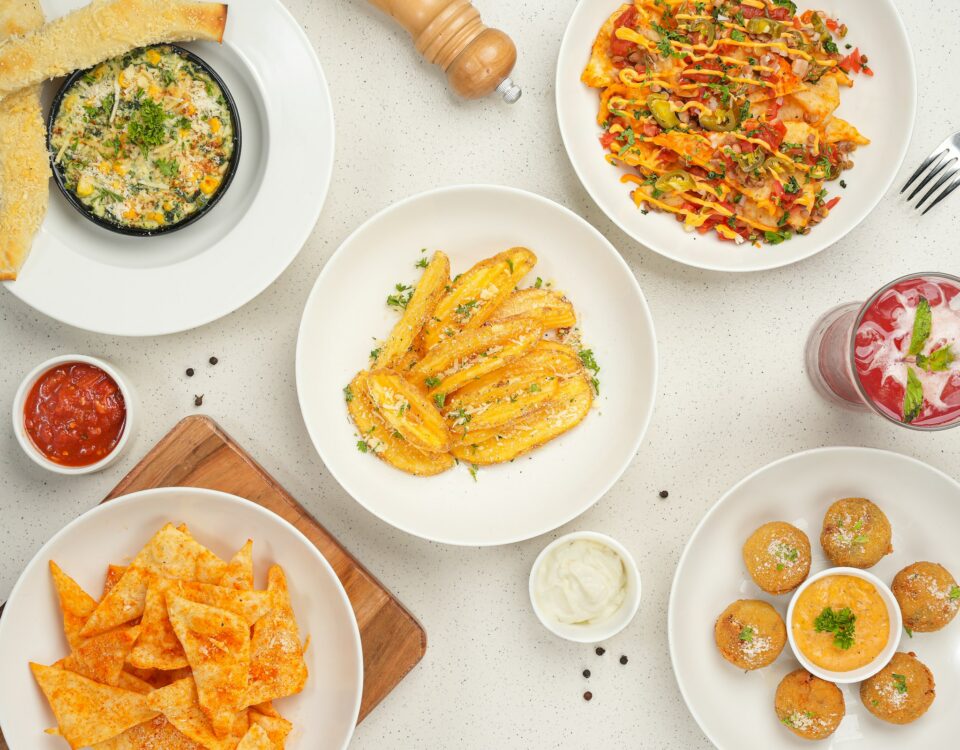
x,y
476,365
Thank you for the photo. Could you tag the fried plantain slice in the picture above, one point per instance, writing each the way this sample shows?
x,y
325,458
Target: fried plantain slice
x,y
408,411
473,354
378,437
514,396
549,307
564,412
433,283
475,295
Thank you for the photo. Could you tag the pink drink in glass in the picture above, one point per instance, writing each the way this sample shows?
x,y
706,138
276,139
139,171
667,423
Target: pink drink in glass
x,y
898,353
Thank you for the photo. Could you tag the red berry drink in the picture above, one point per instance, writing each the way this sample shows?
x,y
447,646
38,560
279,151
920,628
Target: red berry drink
x,y
896,354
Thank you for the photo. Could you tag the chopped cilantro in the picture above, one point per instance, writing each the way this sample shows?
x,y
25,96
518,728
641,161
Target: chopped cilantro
x,y
402,297
348,393
839,622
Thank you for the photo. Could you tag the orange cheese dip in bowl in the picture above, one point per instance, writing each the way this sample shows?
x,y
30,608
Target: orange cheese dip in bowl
x,y
844,625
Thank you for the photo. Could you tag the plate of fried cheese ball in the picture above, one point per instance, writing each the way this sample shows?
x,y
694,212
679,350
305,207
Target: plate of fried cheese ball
x,y
817,601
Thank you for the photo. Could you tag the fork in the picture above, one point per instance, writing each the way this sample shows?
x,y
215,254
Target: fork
x,y
946,156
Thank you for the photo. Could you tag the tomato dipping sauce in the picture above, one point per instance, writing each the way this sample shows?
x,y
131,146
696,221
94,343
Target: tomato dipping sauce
x,y
75,414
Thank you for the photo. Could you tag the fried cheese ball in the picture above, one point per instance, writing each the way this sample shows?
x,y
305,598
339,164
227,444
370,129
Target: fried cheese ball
x,y
928,596
856,533
809,707
777,556
750,634
901,692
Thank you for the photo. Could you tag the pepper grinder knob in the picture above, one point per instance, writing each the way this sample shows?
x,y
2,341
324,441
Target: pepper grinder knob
x,y
449,33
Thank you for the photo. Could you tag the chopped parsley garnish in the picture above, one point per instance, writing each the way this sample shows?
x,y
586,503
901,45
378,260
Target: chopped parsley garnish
x,y
348,393
465,310
899,682
375,353
908,631
792,187
538,283
746,634
167,167
955,592
422,263
839,622
363,446
145,129
737,36
432,382
402,297
534,388
590,362
473,471
775,238
439,399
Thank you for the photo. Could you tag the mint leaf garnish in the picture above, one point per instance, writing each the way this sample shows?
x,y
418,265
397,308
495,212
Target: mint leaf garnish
x,y
912,397
939,361
921,328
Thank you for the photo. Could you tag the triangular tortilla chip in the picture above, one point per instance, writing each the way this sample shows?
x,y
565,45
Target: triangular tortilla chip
x,y
129,681
158,646
114,574
178,702
102,657
88,712
157,734
256,738
239,573
170,553
266,709
277,668
217,644
75,603
276,726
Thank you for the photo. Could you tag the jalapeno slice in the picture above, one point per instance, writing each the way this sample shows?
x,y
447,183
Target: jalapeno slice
x,y
720,120
663,113
750,160
708,29
764,26
677,181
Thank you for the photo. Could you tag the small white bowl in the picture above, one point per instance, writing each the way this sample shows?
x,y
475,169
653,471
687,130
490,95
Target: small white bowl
x,y
597,631
19,429
893,638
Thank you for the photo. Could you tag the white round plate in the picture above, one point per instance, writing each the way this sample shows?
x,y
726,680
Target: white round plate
x,y
324,714
91,278
735,709
882,107
346,312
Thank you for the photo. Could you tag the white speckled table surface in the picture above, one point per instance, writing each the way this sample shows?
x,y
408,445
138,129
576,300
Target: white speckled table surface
x,y
733,394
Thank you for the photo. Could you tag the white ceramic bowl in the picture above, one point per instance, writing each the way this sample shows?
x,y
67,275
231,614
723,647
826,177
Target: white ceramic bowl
x,y
604,629
543,489
893,637
882,107
129,400
323,715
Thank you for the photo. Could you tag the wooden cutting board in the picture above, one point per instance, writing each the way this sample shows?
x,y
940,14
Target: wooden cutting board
x,y
197,453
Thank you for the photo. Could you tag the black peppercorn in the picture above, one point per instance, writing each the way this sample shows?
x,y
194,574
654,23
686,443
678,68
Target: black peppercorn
x,y
198,400
588,696
586,673
213,360
664,493
601,651
624,660
189,372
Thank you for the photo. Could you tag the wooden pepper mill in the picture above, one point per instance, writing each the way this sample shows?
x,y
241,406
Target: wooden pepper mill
x,y
450,33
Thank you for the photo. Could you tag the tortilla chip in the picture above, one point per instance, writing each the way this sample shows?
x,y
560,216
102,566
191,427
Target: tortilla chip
x,y
88,712
102,657
129,681
179,704
276,727
75,603
256,738
815,104
114,574
839,131
266,709
158,646
239,573
277,668
217,644
157,734
170,553
600,71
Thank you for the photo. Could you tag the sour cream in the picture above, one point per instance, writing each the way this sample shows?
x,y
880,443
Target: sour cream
x,y
581,582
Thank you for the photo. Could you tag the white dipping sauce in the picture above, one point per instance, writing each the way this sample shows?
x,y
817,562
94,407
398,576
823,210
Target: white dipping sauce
x,y
581,582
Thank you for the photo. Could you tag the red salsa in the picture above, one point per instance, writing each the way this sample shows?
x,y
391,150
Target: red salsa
x,y
75,414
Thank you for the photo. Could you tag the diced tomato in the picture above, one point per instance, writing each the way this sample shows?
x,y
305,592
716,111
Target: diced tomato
x,y
751,12
868,71
779,14
786,199
621,47
773,109
832,25
772,132
851,63
606,139
807,15
651,129
797,23
832,202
